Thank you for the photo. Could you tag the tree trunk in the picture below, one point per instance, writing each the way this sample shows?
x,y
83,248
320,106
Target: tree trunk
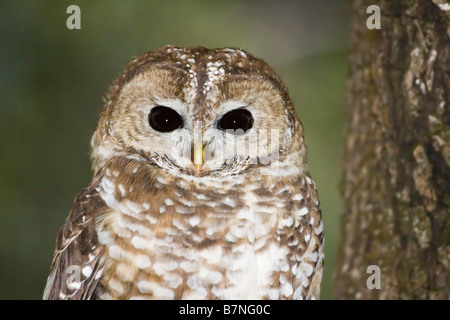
x,y
396,182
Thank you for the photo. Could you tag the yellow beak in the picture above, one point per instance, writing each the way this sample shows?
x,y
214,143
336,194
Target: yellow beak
x,y
198,157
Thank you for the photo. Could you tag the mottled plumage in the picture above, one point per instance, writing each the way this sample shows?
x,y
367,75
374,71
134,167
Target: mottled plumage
x,y
154,223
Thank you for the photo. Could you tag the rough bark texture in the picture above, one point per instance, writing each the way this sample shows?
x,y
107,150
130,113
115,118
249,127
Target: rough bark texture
x,y
396,183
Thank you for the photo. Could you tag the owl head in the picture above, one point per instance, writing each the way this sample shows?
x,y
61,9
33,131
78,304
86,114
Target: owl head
x,y
200,112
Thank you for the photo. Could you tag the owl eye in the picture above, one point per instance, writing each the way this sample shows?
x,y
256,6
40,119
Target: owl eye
x,y
237,121
164,119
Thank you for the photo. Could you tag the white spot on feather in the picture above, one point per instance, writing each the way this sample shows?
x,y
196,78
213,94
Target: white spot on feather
x,y
157,291
116,285
286,289
298,294
274,294
194,221
142,261
285,222
303,211
168,202
319,229
87,271
162,267
140,243
161,180
188,266
145,286
297,197
307,268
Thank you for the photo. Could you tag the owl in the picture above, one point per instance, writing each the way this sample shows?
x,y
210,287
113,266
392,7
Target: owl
x,y
200,188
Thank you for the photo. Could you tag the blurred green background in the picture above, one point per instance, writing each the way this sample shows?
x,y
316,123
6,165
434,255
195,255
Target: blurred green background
x,y
53,80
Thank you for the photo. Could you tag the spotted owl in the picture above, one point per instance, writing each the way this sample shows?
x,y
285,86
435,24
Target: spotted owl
x,y
200,188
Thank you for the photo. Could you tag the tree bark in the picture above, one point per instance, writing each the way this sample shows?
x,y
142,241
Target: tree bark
x,y
396,181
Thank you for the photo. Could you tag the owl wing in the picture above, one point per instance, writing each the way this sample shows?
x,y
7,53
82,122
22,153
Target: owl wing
x,y
77,263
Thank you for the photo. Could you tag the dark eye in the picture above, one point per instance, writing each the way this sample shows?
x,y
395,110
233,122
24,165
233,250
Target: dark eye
x,y
236,121
164,119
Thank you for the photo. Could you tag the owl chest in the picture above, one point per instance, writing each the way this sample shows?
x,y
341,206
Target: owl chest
x,y
193,248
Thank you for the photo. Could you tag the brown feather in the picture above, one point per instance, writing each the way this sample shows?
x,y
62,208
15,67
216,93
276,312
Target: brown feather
x,y
77,249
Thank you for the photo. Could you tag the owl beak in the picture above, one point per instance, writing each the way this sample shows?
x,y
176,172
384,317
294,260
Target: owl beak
x,y
197,155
